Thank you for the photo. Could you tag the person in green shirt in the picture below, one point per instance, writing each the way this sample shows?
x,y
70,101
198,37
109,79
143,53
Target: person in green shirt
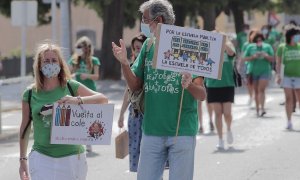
x,y
85,66
162,139
244,64
241,37
288,70
220,94
259,55
51,84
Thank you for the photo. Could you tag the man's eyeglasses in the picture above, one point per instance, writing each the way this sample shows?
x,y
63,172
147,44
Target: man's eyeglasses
x,y
147,21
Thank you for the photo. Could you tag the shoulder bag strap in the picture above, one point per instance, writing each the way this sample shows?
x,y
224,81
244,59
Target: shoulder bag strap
x,y
70,89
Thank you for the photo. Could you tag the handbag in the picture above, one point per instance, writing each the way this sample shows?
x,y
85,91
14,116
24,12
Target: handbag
x,y
237,77
136,99
122,145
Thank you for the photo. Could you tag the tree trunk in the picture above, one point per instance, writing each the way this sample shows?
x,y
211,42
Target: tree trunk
x,y
180,14
112,31
238,17
209,17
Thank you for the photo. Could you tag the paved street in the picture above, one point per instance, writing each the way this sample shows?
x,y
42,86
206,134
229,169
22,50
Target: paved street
x,y
263,149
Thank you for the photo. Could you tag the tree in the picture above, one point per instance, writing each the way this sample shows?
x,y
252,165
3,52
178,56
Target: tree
x,y
207,9
112,32
237,7
210,11
287,6
115,14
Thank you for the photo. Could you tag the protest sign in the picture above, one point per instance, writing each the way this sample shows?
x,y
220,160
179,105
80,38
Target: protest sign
x,y
190,50
85,124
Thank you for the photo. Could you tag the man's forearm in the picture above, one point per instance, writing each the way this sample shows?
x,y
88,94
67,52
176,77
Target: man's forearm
x,y
133,82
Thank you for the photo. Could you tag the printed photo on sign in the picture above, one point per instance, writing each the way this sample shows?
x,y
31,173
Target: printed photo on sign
x,y
84,124
190,50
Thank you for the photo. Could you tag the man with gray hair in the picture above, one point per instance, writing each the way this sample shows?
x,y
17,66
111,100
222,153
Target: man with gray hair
x,y
162,101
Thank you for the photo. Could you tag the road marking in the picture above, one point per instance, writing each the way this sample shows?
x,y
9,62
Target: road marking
x,y
10,127
11,155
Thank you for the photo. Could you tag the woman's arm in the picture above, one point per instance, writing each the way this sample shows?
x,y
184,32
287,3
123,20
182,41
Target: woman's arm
x,y
250,58
229,48
268,57
94,76
278,69
124,106
85,96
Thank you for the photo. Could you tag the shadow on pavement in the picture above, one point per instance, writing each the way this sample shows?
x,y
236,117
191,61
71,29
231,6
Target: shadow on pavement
x,y
209,134
92,154
230,150
292,131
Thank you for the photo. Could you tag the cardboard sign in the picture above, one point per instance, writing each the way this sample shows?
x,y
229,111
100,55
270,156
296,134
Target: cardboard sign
x,y
190,50
84,124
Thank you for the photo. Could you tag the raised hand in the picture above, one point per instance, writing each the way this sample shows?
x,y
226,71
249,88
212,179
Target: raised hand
x,y
120,52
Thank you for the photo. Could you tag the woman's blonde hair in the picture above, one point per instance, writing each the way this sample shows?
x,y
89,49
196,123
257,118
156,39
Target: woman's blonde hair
x,y
64,74
86,42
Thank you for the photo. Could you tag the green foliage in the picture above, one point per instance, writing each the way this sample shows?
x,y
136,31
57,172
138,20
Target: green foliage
x,y
43,11
17,53
288,6
130,10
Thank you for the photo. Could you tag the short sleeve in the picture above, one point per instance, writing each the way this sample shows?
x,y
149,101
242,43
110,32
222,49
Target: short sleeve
x,y
245,46
74,85
246,53
270,50
70,62
96,61
26,94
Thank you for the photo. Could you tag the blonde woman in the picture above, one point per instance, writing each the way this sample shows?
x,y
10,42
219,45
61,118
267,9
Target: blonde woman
x,y
84,66
52,78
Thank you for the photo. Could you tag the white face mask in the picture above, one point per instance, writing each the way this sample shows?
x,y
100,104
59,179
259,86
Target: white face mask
x,y
145,29
79,51
264,31
51,70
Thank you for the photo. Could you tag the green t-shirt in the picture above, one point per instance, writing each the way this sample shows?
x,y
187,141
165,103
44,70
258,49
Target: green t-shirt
x,y
162,100
227,75
83,69
42,124
260,65
245,45
290,59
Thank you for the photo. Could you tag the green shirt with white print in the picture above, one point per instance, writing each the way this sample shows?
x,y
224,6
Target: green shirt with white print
x,y
162,99
291,59
42,124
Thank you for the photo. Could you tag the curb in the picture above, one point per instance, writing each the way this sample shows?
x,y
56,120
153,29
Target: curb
x,y
9,134
15,80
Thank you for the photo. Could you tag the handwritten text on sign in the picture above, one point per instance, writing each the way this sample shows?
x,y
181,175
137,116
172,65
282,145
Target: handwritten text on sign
x,y
85,124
